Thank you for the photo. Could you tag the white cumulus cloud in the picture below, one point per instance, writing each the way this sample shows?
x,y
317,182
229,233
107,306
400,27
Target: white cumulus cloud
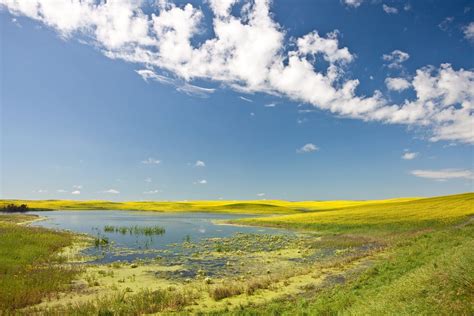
x,y
353,3
76,192
249,52
395,58
397,84
409,155
308,148
199,163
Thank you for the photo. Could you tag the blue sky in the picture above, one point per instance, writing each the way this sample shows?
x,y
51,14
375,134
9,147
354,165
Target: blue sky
x,y
250,101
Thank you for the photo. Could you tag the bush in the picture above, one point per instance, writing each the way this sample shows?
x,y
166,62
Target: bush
x,y
12,208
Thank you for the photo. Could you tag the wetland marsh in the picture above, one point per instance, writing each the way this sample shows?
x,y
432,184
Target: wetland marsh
x,y
196,263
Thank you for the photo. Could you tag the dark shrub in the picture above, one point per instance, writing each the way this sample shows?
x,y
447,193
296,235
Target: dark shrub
x,y
12,208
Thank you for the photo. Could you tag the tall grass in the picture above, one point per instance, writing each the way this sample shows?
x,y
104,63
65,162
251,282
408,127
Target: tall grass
x,y
124,303
29,269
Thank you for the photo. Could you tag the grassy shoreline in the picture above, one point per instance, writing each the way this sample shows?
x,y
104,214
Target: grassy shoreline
x,y
31,267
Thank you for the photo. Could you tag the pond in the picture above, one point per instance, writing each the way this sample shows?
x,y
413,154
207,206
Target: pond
x,y
124,242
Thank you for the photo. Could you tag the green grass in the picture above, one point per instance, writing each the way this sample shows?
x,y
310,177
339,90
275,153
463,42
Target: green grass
x,y
29,267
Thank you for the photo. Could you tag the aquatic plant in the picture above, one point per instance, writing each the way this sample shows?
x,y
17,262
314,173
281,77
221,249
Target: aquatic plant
x,y
101,241
109,228
135,230
187,238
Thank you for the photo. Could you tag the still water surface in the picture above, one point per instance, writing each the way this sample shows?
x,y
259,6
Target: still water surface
x,y
178,226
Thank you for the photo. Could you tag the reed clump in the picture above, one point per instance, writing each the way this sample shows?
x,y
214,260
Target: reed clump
x,y
135,230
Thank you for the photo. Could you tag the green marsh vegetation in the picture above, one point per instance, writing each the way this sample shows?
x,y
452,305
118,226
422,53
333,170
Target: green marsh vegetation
x,y
30,268
135,230
101,241
430,273
426,266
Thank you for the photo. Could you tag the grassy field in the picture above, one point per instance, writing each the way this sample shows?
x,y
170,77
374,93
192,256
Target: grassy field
x,y
240,207
391,257
29,267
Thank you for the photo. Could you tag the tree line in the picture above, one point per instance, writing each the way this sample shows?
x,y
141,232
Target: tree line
x,y
13,208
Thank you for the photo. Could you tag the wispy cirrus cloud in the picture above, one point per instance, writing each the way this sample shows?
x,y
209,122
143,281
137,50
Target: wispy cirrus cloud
x,y
468,31
444,174
111,191
245,99
156,191
151,161
409,155
445,25
389,10
250,52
